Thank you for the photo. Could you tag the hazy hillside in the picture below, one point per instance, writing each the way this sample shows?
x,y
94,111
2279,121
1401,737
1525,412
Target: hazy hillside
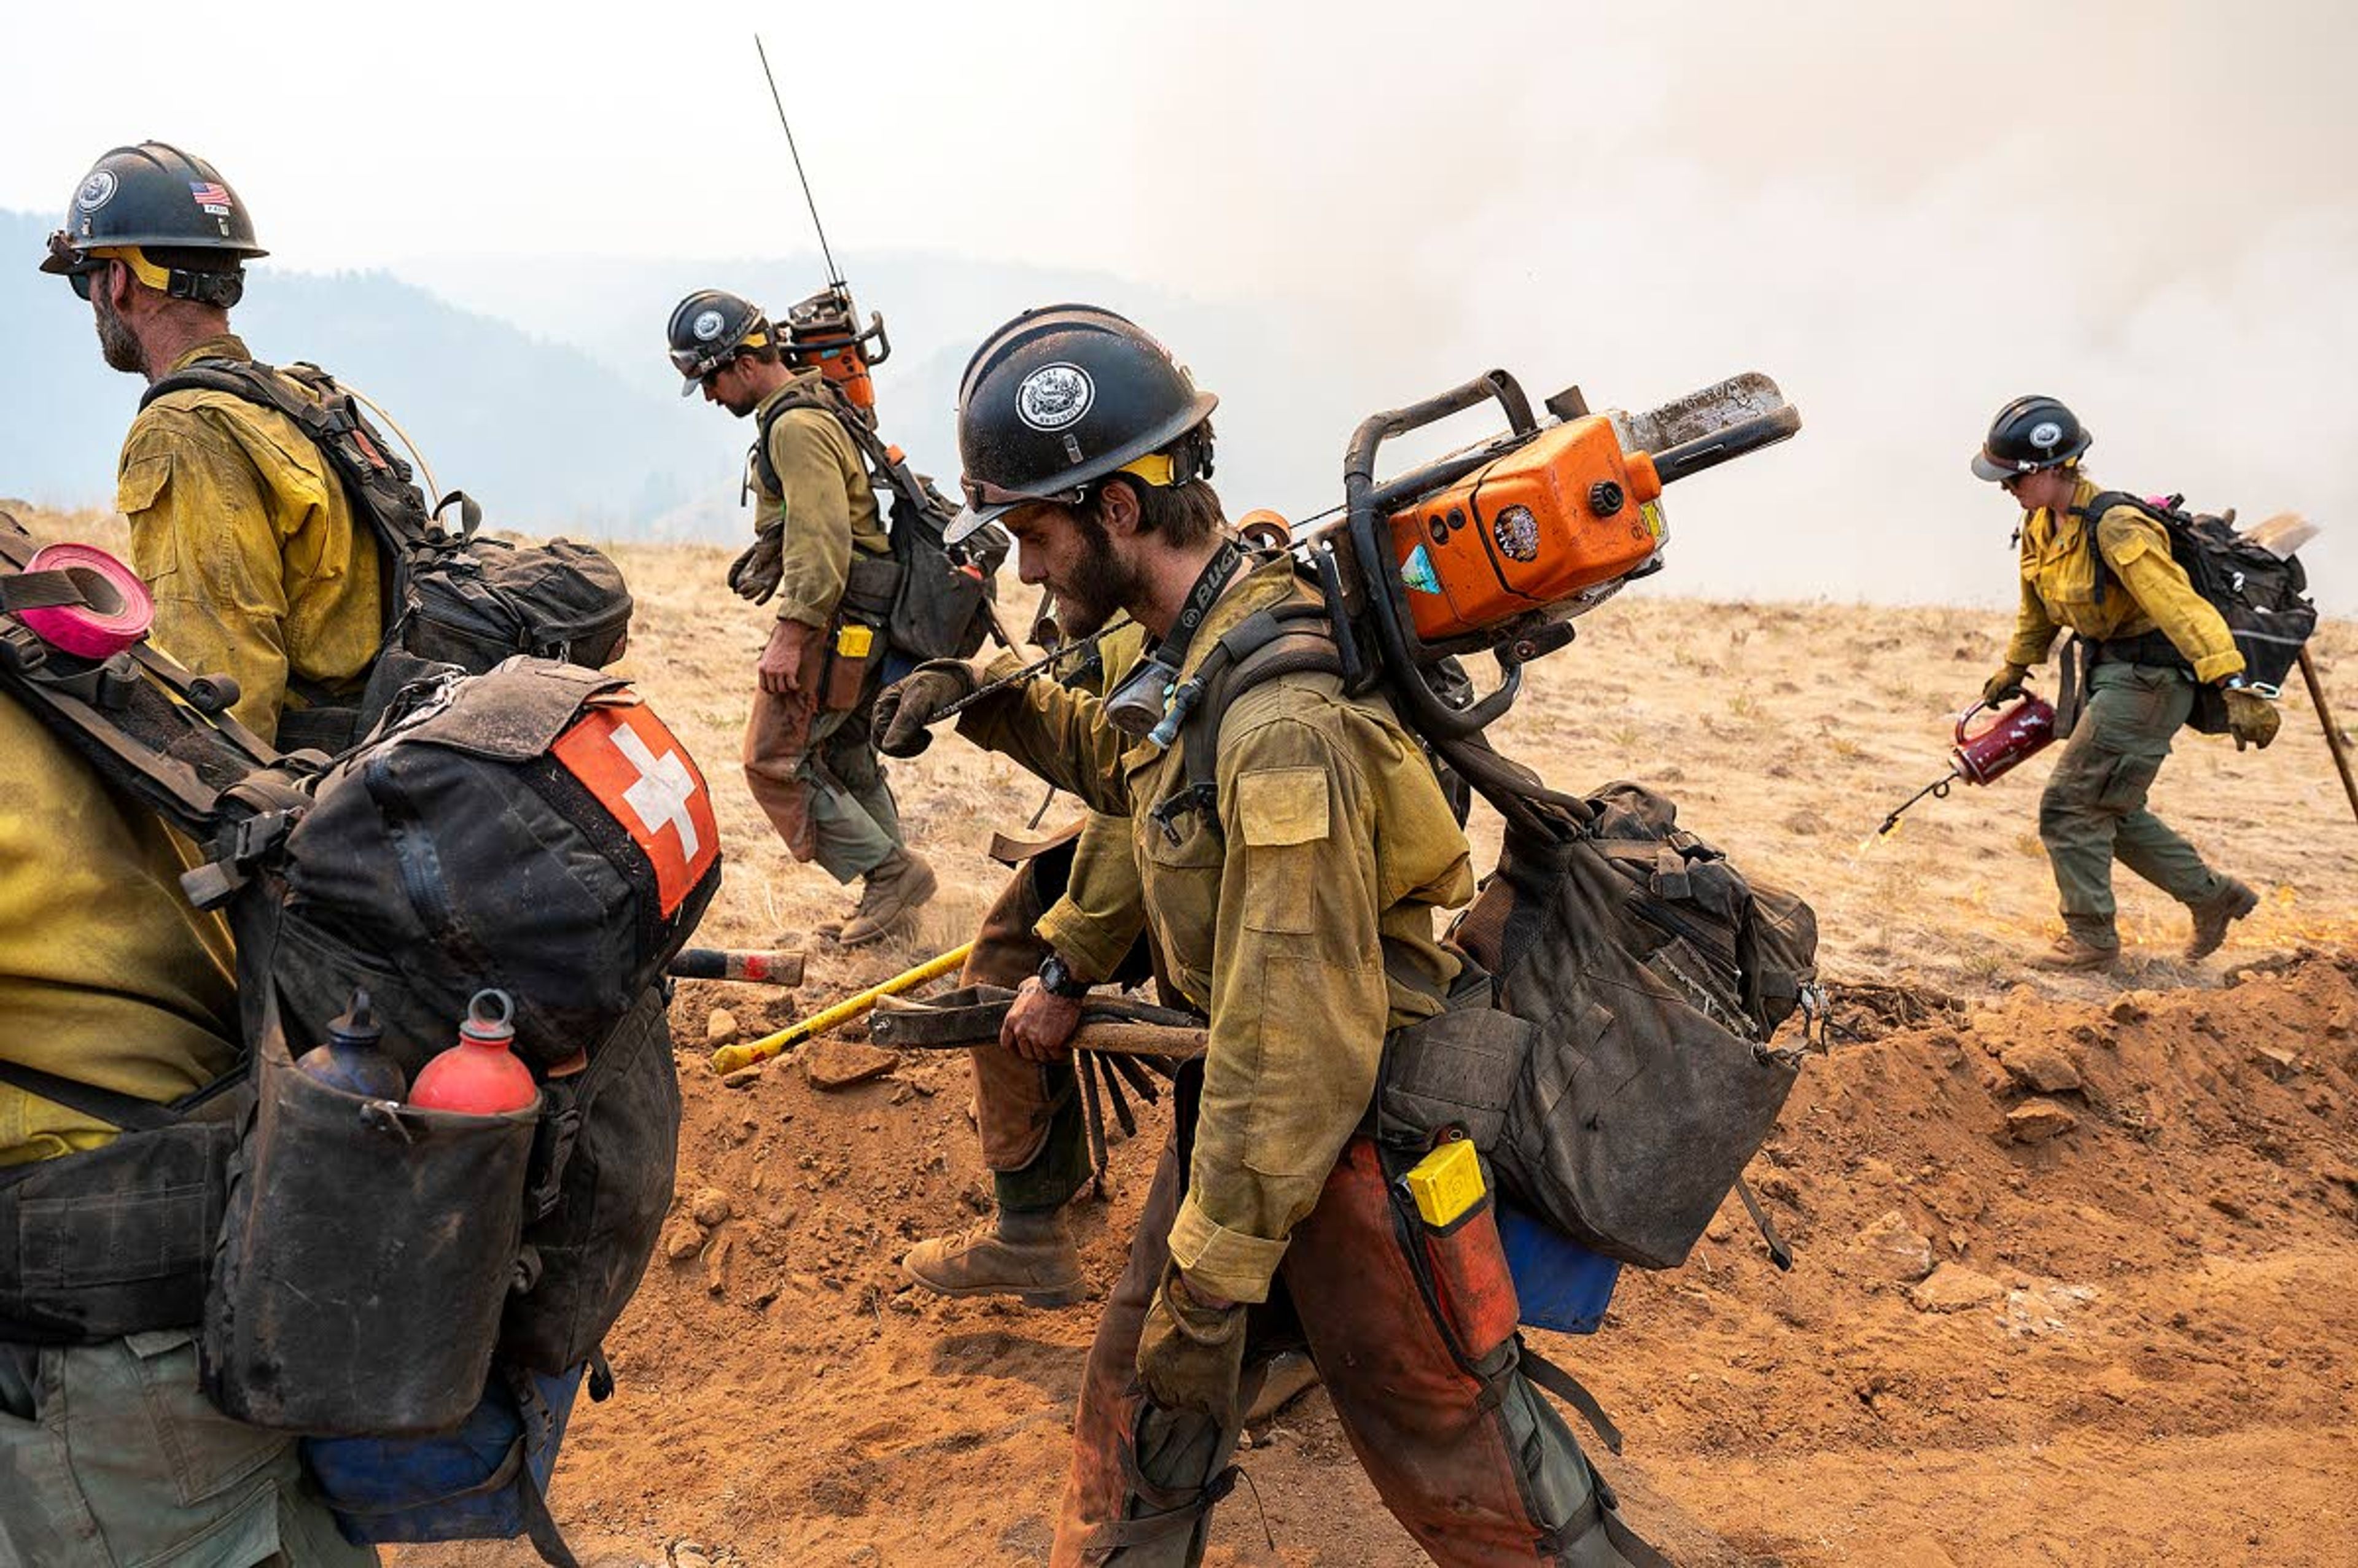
x,y
544,436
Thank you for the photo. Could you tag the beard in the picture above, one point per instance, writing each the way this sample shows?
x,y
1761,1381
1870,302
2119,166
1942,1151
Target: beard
x,y
116,341
1101,583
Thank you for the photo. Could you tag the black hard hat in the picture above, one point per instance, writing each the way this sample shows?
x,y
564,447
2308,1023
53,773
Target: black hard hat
x,y
2030,434
156,196
711,327
1063,395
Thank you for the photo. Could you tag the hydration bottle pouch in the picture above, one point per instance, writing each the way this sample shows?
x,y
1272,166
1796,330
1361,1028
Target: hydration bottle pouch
x,y
368,1250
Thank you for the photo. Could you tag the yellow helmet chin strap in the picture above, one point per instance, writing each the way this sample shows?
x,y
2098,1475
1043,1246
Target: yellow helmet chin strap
x,y
1155,468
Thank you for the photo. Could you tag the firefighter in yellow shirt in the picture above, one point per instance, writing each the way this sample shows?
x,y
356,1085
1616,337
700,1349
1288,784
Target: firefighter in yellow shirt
x,y
113,989
1069,921
821,550
238,524
1289,897
2147,640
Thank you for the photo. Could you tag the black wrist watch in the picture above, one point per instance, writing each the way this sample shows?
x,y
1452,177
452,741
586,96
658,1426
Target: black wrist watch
x,y
1056,978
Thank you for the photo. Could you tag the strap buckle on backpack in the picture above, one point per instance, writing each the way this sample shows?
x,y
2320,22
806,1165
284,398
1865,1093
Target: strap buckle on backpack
x,y
1202,796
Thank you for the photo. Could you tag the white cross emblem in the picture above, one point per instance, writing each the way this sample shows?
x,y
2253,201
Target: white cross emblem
x,y
663,792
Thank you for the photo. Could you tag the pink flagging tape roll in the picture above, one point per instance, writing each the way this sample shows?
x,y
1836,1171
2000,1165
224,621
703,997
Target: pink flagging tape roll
x,y
119,612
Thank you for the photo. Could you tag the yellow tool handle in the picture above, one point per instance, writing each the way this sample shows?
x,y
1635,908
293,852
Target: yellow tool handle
x,y
729,1058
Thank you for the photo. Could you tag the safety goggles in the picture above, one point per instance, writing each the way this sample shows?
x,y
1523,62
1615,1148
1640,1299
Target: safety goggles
x,y
81,266
697,366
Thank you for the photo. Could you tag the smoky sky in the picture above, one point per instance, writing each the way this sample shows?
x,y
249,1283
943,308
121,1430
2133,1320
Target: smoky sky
x,y
1906,214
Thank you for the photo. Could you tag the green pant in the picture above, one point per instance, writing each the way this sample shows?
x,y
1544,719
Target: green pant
x,y
110,1456
2095,806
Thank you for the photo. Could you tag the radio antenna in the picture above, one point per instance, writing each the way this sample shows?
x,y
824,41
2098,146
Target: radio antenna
x,y
835,278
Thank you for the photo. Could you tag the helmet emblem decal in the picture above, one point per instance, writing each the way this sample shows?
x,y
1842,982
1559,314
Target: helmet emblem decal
x,y
96,191
707,325
1054,397
2045,434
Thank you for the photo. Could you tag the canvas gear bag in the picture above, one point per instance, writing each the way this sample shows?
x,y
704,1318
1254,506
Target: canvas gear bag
x,y
1609,1046
453,598
1653,975
2263,597
933,607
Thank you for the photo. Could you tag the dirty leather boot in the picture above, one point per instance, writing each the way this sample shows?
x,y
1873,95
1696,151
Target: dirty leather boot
x,y
2230,904
898,884
2071,955
1017,1253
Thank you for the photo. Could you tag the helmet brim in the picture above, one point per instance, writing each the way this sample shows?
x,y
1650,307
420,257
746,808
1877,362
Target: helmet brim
x,y
1993,472
688,386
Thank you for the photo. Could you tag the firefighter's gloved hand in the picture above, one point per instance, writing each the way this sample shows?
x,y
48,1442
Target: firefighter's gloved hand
x,y
1191,1355
2005,684
907,705
2252,718
756,575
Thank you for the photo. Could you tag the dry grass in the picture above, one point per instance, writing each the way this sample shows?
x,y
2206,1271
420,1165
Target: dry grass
x,y
1784,730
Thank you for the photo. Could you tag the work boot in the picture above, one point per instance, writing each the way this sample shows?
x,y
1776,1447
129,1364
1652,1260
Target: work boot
x,y
896,887
1017,1253
2230,904
2071,955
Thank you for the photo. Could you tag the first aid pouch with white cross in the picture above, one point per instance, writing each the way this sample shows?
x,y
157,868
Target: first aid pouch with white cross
x,y
537,830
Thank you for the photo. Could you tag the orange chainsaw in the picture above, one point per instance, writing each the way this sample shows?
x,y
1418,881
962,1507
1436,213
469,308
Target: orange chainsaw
x,y
1501,545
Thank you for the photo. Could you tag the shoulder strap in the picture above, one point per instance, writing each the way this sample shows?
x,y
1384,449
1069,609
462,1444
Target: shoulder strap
x,y
793,398
128,1112
1284,639
376,479
162,736
885,463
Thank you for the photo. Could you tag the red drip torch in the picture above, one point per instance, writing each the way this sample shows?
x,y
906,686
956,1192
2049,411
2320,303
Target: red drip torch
x,y
1990,752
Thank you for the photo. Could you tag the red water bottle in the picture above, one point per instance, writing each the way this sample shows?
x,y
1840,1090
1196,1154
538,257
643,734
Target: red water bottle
x,y
478,1076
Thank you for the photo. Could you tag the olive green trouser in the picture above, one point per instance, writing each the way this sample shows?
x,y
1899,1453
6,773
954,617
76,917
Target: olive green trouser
x,y
110,1456
2093,810
817,777
1029,1113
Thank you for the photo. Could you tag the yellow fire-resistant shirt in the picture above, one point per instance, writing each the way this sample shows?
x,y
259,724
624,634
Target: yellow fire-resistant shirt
x,y
1103,909
106,975
823,501
1301,923
244,533
2063,586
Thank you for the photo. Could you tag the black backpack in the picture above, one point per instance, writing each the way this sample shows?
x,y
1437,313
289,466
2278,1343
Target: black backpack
x,y
2263,597
364,1267
458,599
937,598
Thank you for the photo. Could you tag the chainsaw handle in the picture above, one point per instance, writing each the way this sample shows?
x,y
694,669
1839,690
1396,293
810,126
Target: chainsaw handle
x,y
1404,653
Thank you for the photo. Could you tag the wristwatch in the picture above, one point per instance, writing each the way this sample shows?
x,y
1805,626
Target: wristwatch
x,y
1056,978
2235,682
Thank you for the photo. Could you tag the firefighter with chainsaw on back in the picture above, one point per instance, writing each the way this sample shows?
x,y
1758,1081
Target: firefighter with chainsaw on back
x,y
2148,639
1289,897
239,524
821,549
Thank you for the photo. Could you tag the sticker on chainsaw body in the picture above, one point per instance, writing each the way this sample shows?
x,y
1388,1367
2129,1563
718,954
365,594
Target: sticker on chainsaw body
x,y
1418,573
645,780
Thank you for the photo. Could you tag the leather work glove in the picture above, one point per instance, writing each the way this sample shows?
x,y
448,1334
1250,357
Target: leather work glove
x,y
1190,1354
2006,683
2252,718
756,575
905,707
